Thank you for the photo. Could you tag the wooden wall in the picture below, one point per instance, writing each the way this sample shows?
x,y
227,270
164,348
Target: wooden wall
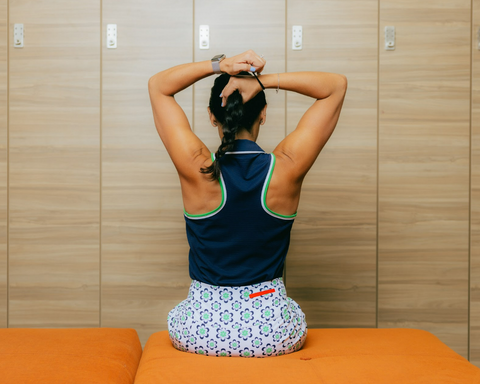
x,y
144,262
331,269
424,140
475,192
3,162
54,173
389,221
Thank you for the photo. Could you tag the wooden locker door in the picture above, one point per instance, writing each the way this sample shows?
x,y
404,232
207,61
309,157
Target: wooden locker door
x,y
236,26
54,165
331,267
3,163
144,247
475,194
424,138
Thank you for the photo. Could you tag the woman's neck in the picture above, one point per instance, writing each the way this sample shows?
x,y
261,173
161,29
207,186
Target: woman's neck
x,y
245,135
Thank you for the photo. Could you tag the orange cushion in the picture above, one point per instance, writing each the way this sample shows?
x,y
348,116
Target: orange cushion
x,y
333,356
75,355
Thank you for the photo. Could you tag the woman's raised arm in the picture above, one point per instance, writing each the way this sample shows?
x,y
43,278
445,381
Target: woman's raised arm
x,y
172,124
186,150
299,150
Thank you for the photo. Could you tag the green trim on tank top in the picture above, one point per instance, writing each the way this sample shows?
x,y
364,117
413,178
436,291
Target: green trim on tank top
x,y
264,197
220,180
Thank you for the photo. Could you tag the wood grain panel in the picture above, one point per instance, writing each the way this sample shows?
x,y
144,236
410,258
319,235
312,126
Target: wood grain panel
x,y
475,194
236,26
3,163
424,169
144,246
331,267
55,165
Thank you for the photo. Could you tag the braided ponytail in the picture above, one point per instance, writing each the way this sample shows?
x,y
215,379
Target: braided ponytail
x,y
234,117
231,125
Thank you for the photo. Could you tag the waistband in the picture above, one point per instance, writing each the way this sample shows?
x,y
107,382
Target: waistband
x,y
266,289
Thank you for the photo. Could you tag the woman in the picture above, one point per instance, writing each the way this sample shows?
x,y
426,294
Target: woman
x,y
240,203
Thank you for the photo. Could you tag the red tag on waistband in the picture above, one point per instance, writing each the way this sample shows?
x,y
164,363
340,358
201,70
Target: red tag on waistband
x,y
252,295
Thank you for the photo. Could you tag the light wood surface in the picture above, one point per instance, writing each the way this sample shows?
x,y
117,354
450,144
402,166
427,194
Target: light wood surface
x,y
475,194
236,26
424,169
3,163
144,246
331,267
54,165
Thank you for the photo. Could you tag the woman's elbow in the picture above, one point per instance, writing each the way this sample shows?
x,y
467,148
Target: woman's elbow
x,y
154,86
151,83
342,83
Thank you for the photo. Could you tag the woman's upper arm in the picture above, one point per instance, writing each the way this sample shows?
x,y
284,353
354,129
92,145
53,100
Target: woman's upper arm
x,y
299,150
186,150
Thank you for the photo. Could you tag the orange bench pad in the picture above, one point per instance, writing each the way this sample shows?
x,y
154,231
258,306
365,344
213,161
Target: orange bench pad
x,y
73,355
333,356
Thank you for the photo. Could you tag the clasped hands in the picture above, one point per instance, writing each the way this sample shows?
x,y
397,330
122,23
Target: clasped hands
x,y
248,87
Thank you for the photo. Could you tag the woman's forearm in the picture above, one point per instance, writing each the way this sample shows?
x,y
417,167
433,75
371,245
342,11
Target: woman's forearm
x,y
175,79
318,85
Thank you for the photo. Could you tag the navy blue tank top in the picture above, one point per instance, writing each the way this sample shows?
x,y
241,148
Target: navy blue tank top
x,y
242,241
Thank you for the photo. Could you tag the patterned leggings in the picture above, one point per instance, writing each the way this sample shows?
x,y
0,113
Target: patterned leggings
x,y
256,320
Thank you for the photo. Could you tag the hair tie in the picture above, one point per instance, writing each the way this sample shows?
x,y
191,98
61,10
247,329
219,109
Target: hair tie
x,y
259,82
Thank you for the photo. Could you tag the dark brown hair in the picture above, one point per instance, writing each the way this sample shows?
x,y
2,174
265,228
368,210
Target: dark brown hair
x,y
234,117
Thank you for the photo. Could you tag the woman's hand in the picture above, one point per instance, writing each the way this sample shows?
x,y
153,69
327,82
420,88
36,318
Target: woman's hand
x,y
248,61
247,86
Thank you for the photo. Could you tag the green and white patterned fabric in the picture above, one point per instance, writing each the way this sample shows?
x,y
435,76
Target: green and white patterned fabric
x,y
240,321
